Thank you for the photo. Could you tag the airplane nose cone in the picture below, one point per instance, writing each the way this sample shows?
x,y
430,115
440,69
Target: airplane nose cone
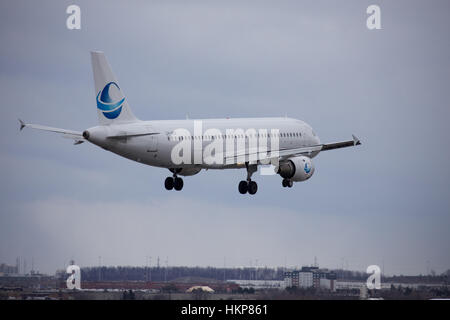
x,y
86,134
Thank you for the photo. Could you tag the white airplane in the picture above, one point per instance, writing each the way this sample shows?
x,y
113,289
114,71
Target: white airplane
x,y
198,143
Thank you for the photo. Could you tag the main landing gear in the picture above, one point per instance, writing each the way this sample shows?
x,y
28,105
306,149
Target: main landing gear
x,y
173,183
248,185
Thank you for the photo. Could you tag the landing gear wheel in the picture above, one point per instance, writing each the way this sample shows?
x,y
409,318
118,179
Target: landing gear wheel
x,y
169,183
287,183
178,184
243,187
252,187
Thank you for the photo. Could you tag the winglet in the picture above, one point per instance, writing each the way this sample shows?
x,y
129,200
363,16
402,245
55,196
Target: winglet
x,y
22,124
356,141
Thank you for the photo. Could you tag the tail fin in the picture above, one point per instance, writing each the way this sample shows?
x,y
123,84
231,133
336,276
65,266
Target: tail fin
x,y
112,106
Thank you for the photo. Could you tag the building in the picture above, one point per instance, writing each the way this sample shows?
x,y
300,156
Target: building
x,y
259,284
305,278
6,269
36,281
200,288
291,279
310,277
324,279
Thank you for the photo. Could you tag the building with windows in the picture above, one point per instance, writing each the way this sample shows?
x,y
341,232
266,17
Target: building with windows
x,y
310,277
291,279
305,278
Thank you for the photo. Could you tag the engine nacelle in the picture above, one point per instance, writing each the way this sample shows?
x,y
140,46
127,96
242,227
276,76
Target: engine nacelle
x,y
297,169
186,171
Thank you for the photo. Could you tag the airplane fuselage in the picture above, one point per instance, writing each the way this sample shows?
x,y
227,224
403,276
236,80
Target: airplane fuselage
x,y
152,142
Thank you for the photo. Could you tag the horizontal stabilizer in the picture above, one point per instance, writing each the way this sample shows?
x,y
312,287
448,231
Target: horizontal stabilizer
x,y
22,124
69,134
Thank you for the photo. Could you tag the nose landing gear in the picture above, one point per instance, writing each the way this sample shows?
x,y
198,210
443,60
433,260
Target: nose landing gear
x,y
287,183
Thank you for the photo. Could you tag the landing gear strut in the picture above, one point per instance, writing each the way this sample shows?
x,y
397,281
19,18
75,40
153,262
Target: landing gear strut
x,y
174,182
249,186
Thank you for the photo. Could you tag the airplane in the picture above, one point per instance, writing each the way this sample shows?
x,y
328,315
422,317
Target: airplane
x,y
185,147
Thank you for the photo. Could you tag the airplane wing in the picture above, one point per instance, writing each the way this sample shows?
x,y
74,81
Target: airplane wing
x,y
254,155
68,134
343,144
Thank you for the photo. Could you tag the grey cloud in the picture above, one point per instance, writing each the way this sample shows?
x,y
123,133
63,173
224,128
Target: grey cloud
x,y
316,61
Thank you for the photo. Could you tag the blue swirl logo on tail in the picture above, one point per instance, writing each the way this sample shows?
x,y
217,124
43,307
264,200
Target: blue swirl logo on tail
x,y
111,109
307,170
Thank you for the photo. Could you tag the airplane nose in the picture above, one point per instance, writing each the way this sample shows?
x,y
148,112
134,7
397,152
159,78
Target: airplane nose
x,y
86,134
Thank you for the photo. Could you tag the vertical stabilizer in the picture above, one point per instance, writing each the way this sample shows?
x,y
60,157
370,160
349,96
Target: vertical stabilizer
x,y
112,106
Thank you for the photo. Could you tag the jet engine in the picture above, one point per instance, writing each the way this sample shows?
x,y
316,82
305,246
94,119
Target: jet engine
x,y
299,168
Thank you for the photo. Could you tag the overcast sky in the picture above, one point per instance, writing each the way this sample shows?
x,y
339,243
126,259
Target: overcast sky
x,y
386,202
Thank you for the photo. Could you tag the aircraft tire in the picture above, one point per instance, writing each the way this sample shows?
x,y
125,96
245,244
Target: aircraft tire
x,y
169,183
252,187
178,184
243,187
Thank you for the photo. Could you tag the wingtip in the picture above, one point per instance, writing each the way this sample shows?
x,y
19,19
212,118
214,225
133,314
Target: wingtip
x,y
22,124
356,141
